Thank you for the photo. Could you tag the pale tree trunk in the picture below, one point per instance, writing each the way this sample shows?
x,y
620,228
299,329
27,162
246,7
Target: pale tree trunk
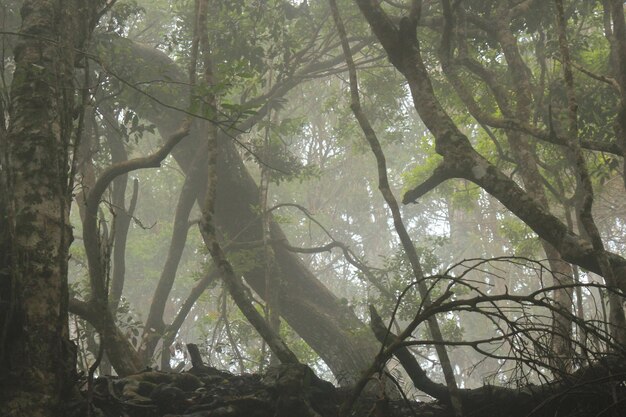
x,y
562,274
36,356
523,152
584,186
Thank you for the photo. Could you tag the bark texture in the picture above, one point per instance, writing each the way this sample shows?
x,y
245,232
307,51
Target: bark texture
x,y
37,358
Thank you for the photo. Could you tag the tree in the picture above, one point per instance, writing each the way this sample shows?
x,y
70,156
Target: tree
x,y
476,28
339,337
37,359
463,162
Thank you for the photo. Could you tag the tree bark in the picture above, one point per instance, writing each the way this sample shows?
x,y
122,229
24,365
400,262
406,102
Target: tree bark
x,y
37,359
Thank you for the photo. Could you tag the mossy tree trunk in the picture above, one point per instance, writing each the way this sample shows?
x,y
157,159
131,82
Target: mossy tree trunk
x,y
36,355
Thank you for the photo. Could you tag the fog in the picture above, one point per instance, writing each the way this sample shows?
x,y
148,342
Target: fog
x,y
303,181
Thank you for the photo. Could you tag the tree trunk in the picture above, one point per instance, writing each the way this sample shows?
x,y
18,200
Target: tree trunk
x,y
331,329
36,355
523,152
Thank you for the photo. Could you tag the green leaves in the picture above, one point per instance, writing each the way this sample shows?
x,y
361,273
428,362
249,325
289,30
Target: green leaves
x,y
122,15
131,127
524,241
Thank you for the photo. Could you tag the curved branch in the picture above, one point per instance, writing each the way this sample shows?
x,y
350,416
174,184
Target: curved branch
x,y
123,357
439,175
152,161
90,223
463,160
419,377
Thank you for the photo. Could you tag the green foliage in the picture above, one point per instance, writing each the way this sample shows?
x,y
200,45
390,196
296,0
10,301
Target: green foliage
x,y
122,15
398,276
243,261
129,322
524,242
132,129
273,154
421,171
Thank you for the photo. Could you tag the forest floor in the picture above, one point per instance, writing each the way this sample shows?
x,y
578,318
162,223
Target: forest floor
x,y
284,391
295,391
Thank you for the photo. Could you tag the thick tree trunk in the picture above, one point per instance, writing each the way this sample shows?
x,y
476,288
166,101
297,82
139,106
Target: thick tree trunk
x,y
331,329
37,357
